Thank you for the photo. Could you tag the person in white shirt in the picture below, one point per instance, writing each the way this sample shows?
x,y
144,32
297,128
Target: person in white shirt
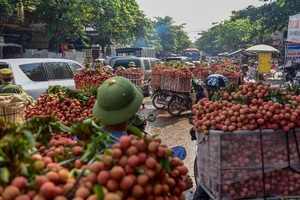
x,y
252,74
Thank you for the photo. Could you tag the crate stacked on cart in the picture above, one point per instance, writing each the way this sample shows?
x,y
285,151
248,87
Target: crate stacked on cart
x,y
156,75
201,71
229,70
12,107
233,79
135,75
177,79
249,164
249,142
92,77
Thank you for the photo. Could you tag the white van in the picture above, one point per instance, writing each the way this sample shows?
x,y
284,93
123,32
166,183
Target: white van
x,y
35,75
146,63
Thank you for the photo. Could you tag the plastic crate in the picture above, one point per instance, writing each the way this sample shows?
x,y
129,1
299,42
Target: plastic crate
x,y
80,85
249,164
175,83
135,78
156,80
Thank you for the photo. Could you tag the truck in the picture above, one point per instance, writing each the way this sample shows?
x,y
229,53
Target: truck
x,y
193,54
10,50
136,51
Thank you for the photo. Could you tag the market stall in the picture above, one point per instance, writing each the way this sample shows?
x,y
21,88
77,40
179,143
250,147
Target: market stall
x,y
264,53
248,143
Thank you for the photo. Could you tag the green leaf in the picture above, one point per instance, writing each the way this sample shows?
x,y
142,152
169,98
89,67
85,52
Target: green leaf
x,y
139,170
61,99
164,162
4,174
39,131
29,137
97,189
280,3
135,130
24,171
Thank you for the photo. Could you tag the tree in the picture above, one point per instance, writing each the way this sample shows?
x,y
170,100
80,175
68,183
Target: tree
x,y
65,19
121,21
226,36
269,17
248,26
118,20
172,37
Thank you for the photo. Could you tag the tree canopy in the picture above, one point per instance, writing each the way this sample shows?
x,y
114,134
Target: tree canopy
x,y
119,21
248,26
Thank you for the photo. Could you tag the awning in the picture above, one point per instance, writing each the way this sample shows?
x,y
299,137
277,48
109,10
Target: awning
x,y
242,51
10,45
235,52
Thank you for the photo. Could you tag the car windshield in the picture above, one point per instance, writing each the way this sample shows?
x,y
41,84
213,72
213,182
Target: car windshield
x,y
3,65
75,68
125,62
173,59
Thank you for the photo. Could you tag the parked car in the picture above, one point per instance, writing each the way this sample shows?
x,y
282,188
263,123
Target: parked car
x,y
35,75
145,63
110,60
182,59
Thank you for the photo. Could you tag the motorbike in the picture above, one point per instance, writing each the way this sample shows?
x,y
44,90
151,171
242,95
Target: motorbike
x,y
140,122
159,97
290,71
181,101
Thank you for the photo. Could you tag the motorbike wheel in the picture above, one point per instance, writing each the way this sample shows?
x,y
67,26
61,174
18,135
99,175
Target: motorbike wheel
x,y
173,108
158,101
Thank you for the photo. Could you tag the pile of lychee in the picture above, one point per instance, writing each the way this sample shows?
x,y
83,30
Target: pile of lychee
x,y
253,106
70,109
134,168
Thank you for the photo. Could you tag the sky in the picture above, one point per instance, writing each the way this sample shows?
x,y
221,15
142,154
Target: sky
x,y
197,14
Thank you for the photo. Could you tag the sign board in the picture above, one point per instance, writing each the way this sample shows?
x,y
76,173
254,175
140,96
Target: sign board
x,y
294,29
292,52
264,62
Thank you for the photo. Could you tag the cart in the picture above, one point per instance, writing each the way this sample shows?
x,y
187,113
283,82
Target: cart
x,y
258,164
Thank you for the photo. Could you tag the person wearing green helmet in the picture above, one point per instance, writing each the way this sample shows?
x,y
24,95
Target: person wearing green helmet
x,y
7,86
118,99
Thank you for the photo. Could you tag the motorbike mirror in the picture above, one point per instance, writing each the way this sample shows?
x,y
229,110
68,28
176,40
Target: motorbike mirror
x,y
151,117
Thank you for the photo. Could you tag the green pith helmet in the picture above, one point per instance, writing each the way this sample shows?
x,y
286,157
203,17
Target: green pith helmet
x,y
131,64
118,99
6,73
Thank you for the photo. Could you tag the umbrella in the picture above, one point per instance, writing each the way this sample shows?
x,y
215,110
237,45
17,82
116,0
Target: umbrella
x,y
262,48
